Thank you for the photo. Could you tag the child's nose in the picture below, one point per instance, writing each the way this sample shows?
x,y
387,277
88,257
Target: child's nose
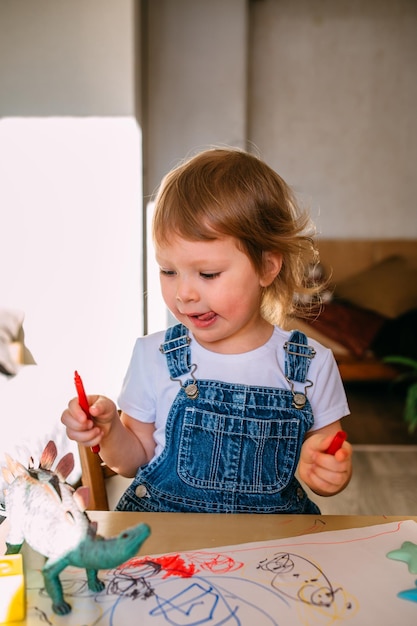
x,y
186,291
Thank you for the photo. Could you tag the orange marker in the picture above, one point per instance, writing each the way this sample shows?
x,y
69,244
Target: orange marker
x,y
337,442
82,399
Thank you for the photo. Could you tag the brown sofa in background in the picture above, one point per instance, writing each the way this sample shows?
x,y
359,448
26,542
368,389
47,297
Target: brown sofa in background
x,y
372,311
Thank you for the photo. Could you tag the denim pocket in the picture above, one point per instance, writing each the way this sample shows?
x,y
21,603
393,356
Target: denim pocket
x,y
229,452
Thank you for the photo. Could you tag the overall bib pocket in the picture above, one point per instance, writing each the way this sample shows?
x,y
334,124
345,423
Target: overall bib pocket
x,y
225,452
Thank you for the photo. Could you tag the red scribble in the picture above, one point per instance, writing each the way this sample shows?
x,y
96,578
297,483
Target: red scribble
x,y
215,562
171,565
190,563
187,564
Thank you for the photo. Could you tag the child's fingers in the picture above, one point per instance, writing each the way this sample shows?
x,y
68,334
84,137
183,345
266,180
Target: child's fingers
x,y
74,412
102,409
85,437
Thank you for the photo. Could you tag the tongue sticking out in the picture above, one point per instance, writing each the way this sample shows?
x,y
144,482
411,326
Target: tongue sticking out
x,y
205,317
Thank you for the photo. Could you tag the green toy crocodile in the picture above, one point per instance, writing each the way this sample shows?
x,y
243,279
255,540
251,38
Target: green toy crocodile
x,y
47,513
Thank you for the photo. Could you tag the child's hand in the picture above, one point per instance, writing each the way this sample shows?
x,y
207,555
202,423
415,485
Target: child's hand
x,y
325,474
86,431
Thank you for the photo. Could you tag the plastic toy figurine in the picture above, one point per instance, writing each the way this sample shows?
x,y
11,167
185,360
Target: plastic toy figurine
x,y
47,513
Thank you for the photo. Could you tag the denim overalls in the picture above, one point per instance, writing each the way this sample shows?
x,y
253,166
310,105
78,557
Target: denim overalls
x,y
230,448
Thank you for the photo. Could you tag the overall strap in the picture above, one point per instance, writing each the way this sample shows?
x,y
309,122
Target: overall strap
x,y
176,348
298,355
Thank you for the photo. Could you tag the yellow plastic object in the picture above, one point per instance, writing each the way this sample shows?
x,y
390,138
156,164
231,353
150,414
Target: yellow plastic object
x,y
12,589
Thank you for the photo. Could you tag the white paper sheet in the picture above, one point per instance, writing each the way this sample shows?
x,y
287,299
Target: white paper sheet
x,y
327,578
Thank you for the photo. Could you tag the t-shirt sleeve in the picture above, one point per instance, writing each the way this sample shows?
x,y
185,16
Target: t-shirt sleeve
x,y
327,395
137,396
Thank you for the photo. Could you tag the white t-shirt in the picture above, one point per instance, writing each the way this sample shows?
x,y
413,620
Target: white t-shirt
x,y
148,392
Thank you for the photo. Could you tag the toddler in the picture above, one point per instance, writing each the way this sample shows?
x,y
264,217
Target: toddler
x,y
219,411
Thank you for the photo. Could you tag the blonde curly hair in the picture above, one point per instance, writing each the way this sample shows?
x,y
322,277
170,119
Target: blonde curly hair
x,y
229,192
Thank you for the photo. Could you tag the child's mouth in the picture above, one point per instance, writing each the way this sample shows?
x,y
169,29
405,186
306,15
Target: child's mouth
x,y
203,319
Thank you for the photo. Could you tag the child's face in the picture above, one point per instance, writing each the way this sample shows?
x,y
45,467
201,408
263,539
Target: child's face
x,y
213,289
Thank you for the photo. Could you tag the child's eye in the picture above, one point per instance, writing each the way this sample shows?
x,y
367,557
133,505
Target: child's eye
x,y
166,272
209,275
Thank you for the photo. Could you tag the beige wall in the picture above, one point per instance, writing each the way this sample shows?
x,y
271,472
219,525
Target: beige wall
x,y
333,101
330,95
66,58
196,79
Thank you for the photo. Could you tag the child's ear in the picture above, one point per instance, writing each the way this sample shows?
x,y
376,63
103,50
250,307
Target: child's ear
x,y
272,263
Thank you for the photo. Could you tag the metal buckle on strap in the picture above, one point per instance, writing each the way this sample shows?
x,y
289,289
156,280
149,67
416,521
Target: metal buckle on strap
x,y
191,389
309,354
299,399
186,342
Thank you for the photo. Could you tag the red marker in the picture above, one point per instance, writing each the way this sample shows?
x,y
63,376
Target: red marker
x,y
337,442
82,399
